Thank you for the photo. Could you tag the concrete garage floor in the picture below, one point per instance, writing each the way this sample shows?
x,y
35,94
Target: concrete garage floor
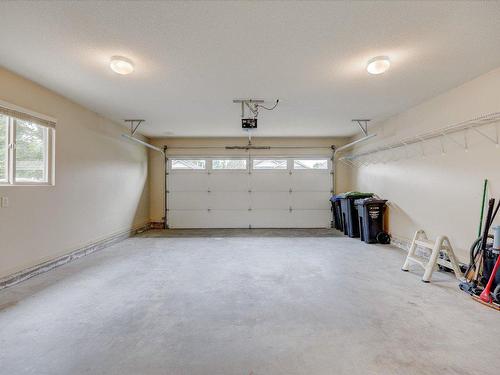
x,y
244,305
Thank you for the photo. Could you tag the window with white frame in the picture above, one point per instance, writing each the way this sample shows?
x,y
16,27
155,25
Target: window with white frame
x,y
4,145
270,164
310,164
233,164
26,149
189,164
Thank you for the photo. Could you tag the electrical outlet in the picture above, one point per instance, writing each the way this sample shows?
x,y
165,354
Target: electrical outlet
x,y
4,202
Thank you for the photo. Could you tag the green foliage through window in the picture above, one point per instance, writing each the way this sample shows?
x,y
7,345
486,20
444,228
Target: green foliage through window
x,y
3,147
27,160
31,153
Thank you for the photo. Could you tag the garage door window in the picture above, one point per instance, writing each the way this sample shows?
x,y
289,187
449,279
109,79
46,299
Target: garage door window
x,y
310,164
270,164
189,164
232,164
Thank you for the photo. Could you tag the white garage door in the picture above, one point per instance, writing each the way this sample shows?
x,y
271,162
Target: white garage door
x,y
263,192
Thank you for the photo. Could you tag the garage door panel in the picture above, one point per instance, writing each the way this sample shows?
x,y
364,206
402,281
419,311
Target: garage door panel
x,y
222,198
270,200
310,200
228,219
311,181
229,200
270,181
188,200
271,219
188,218
188,181
228,181
311,218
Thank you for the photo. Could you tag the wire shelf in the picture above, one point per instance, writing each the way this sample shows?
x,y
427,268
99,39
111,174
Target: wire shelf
x,y
443,134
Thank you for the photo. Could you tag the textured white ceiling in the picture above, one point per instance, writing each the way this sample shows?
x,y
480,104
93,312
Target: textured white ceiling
x,y
193,58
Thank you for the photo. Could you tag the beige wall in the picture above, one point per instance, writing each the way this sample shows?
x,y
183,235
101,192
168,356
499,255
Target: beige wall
x,y
439,193
101,183
218,144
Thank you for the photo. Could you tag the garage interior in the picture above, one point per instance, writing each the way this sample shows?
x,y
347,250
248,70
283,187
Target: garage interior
x,y
229,187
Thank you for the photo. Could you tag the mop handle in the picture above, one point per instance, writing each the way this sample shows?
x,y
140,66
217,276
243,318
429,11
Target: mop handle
x,y
482,208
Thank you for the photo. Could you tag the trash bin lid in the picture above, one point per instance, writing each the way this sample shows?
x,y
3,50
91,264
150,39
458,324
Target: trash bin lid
x,y
355,195
365,201
336,198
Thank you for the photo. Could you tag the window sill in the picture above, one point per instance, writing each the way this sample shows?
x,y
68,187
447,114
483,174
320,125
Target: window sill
x,y
26,184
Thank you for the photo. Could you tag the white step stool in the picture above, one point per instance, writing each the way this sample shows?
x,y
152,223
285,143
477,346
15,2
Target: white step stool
x,y
442,244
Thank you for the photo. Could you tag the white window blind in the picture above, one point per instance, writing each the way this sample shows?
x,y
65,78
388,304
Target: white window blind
x,y
14,111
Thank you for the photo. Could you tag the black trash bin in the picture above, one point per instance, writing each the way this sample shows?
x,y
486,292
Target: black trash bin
x,y
349,213
371,218
337,212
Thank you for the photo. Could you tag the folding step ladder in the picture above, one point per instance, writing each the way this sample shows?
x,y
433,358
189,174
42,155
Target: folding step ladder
x,y
441,245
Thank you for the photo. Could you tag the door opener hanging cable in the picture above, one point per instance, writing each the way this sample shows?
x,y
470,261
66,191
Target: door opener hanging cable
x,y
248,123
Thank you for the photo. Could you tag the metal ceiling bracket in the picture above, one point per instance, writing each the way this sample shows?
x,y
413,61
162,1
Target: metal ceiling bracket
x,y
134,124
251,104
363,125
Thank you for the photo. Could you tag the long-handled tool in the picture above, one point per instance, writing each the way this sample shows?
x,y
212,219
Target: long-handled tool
x,y
473,282
485,185
487,223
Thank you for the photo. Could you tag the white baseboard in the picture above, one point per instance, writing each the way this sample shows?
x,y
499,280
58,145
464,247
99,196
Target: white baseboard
x,y
400,242
30,272
404,244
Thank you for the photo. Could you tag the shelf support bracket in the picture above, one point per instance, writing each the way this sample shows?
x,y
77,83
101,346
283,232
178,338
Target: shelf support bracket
x,y
495,141
134,125
363,125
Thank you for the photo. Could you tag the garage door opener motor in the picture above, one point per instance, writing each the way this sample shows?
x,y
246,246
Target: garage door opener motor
x,y
252,106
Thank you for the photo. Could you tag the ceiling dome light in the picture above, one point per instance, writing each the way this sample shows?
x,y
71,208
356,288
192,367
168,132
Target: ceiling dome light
x,y
378,65
121,65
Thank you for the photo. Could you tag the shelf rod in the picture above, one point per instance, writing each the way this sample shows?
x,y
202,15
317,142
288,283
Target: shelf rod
x,y
473,124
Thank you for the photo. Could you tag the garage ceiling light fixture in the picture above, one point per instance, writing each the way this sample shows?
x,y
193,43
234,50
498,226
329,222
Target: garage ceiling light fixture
x,y
378,65
121,65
